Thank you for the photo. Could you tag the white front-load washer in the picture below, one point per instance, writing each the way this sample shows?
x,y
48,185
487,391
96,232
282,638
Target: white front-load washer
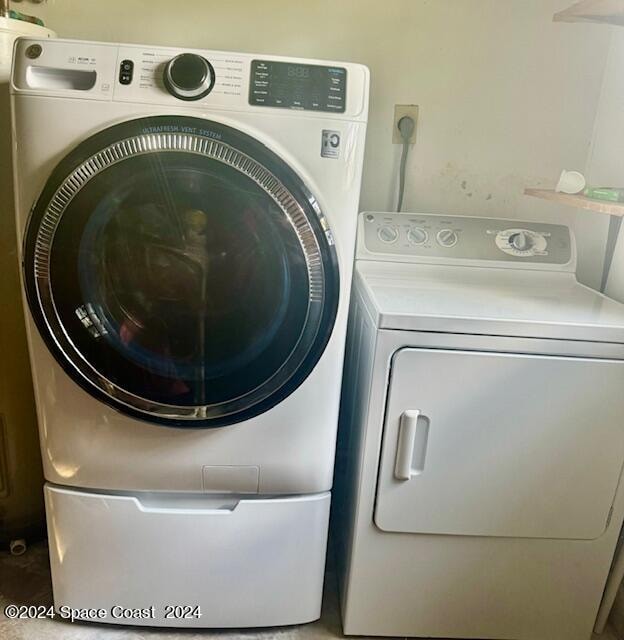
x,y
186,222
482,433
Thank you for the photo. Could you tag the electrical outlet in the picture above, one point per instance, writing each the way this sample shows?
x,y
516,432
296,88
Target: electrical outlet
x,y
401,110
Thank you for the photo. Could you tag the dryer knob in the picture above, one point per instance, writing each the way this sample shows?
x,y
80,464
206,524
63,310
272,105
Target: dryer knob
x,y
521,241
417,236
189,76
447,238
388,234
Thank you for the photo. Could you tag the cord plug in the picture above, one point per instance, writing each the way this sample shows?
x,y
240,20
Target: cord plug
x,y
406,127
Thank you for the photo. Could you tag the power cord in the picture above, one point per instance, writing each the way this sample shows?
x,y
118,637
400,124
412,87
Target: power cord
x,y
406,128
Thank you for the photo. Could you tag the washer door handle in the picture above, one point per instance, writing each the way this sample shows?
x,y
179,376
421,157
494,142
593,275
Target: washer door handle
x,y
413,434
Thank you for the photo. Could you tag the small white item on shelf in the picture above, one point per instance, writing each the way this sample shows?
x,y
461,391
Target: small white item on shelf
x,y
571,182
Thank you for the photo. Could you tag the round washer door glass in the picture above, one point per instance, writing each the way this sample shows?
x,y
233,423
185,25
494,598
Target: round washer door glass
x,y
181,272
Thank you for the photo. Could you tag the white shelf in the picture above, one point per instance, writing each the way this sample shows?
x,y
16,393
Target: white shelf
x,y
604,11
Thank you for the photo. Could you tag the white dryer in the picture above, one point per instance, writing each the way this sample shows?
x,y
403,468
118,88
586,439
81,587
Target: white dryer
x,y
186,224
482,435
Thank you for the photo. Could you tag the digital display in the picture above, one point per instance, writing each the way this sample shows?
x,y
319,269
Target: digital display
x,y
298,86
298,72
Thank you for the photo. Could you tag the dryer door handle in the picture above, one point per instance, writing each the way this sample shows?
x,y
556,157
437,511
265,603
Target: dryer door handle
x,y
412,445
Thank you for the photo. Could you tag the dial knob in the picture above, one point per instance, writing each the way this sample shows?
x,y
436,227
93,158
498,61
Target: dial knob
x,y
417,236
447,238
388,234
189,76
521,241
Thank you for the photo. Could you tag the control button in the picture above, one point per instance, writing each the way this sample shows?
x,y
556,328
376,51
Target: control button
x,y
126,69
447,238
189,77
521,241
388,234
417,236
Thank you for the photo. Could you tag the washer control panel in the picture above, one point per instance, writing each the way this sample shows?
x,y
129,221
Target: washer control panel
x,y
298,86
198,78
466,238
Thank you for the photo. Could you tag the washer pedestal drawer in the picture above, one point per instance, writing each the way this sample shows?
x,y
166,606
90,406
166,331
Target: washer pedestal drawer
x,y
204,561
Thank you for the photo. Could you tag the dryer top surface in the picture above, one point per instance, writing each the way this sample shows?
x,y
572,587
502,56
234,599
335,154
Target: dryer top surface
x,y
477,300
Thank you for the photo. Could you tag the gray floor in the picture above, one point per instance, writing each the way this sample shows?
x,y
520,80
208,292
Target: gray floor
x,y
26,580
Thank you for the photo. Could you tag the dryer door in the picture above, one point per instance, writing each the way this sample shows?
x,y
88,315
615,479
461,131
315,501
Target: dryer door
x,y
181,272
500,444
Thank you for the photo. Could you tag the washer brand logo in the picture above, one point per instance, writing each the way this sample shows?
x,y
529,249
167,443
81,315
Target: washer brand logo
x,y
330,147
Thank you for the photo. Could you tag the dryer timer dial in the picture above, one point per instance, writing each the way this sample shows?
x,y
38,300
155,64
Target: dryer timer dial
x,y
522,243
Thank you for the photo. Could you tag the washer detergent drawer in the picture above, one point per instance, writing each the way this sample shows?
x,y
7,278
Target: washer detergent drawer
x,y
489,444
245,563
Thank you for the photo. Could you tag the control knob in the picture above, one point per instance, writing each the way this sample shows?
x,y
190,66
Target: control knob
x,y
417,236
388,234
521,241
447,238
189,76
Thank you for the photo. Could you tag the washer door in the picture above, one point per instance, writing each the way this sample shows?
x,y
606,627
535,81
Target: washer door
x,y
181,272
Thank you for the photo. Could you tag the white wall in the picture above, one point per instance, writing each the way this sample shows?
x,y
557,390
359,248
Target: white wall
x,y
508,98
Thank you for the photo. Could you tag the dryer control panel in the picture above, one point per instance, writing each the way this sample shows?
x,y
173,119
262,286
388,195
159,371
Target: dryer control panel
x,y
418,237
